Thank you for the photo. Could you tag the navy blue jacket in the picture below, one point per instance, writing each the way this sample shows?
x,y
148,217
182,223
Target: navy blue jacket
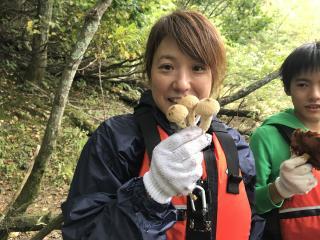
x,y
107,199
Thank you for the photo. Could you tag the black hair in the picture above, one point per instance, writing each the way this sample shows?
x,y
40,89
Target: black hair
x,y
305,58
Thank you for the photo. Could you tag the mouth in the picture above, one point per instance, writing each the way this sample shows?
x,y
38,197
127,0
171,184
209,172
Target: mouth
x,y
174,100
313,107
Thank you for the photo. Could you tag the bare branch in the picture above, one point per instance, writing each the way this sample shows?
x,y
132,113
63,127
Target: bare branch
x,y
88,65
238,113
55,223
126,75
24,223
218,9
249,89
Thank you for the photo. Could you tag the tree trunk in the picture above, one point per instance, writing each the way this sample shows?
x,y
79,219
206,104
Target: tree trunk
x,y
26,223
55,223
239,113
38,64
31,188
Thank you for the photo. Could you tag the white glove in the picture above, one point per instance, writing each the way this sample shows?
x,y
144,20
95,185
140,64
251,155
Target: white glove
x,y
176,164
295,177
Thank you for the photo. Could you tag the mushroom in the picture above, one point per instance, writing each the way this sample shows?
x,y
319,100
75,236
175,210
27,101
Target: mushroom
x,y
177,113
207,108
189,101
306,142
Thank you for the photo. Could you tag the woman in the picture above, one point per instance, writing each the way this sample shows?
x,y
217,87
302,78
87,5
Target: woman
x,y
120,192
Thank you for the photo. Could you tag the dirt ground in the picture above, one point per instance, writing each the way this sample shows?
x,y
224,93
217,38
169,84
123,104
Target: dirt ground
x,y
49,200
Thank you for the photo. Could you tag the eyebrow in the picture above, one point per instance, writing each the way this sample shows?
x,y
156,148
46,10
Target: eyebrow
x,y
167,56
302,79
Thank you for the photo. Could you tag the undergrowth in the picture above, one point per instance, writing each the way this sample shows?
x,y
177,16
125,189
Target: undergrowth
x,y
24,112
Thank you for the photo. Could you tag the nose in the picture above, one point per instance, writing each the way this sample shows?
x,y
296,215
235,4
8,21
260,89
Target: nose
x,y
315,93
182,82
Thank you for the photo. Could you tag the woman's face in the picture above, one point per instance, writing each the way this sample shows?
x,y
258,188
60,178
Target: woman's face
x,y
305,95
174,75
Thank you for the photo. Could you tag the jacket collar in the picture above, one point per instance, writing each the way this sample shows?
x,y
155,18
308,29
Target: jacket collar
x,y
146,100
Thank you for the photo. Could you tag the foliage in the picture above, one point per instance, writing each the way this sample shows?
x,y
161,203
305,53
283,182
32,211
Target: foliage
x,y
264,53
238,20
19,136
65,157
23,115
123,31
243,19
11,160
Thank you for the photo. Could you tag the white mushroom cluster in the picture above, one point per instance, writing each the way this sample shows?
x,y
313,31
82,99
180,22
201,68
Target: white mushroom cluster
x,y
185,111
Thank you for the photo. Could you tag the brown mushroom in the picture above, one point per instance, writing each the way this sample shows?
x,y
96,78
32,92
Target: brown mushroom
x,y
307,142
207,108
189,101
177,114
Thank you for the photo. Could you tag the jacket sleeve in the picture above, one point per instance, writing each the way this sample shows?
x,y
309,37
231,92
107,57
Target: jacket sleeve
x,y
106,199
247,166
270,150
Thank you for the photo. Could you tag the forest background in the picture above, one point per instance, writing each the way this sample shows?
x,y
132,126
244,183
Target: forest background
x,y
66,66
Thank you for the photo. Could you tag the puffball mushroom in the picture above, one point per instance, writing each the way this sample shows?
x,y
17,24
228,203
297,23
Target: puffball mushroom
x,y
177,113
189,101
207,108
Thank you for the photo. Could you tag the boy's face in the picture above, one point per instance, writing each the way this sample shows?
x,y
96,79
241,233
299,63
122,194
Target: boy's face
x,y
305,95
174,75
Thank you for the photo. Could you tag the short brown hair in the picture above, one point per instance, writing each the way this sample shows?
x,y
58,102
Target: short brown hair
x,y
196,36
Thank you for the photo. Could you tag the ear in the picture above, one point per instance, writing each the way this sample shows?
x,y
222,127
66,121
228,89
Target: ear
x,y
287,91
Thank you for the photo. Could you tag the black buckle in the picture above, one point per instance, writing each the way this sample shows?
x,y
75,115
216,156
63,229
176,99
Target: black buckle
x,y
233,183
181,214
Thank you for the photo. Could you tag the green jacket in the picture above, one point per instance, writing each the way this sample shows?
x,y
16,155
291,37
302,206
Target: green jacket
x,y
270,150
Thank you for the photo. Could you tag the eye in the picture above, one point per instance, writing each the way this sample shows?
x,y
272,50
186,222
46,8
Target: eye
x,y
302,84
166,67
199,68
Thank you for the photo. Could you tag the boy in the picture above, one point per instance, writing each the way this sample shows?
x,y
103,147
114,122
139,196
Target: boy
x,y
287,193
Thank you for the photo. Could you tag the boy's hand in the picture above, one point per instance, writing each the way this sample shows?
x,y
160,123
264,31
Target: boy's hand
x,y
295,177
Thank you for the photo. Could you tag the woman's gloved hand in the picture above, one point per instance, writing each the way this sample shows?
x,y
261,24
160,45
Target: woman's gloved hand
x,y
176,164
295,177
